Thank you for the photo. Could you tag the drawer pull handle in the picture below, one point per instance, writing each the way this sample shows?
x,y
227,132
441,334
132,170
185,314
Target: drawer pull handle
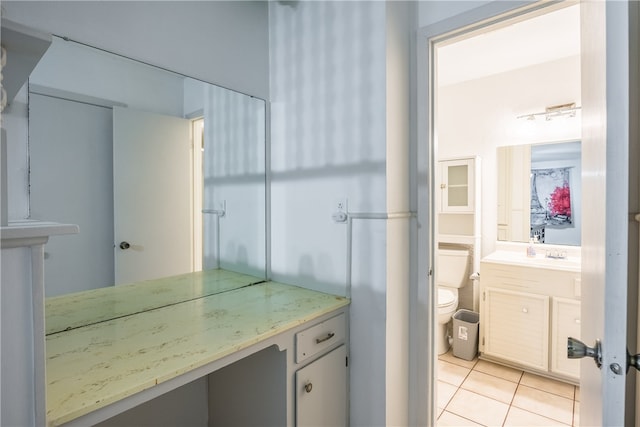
x,y
325,338
308,387
525,310
578,321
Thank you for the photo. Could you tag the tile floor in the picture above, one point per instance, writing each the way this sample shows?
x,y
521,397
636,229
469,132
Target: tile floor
x,y
481,393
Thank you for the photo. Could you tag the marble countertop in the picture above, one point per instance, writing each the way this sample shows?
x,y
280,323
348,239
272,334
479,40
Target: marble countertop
x,y
88,307
90,367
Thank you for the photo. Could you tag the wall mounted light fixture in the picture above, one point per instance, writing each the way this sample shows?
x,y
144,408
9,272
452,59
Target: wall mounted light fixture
x,y
554,111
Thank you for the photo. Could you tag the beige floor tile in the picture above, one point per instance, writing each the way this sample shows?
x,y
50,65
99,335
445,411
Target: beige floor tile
x,y
447,419
445,392
500,371
543,403
490,386
548,385
520,417
477,408
576,413
452,374
449,357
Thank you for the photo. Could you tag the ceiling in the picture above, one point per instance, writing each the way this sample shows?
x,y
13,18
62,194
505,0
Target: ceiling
x,y
544,38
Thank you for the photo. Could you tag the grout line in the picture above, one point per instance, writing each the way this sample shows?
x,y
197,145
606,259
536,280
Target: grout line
x,y
518,384
513,397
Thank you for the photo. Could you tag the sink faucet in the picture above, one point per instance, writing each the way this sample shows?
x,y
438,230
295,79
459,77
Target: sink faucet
x,y
556,254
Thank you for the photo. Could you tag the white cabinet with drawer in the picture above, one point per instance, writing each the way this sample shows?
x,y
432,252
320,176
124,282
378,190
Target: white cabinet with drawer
x,y
526,315
321,381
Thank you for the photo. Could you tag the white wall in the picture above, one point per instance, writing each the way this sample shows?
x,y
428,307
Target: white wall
x,y
340,119
431,12
234,180
327,144
477,116
221,42
83,70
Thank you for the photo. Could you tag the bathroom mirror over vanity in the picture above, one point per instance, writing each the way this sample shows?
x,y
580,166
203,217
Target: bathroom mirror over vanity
x,y
163,173
539,193
160,311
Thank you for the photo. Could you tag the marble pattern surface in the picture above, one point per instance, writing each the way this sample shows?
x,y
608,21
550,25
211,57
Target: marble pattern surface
x,y
88,307
93,366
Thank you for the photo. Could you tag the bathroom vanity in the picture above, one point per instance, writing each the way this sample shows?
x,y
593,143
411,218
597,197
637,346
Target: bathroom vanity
x,y
270,352
528,308
259,352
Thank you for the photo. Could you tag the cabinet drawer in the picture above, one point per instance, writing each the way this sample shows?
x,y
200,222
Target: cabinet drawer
x,y
317,338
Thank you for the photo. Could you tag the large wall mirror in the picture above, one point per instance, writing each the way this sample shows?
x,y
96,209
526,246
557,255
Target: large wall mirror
x,y
163,173
540,193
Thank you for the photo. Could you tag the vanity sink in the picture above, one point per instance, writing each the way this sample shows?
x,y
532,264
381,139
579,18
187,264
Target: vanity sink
x,y
569,263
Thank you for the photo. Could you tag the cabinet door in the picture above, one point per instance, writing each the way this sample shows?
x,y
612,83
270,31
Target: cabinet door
x,y
321,391
457,185
565,323
517,327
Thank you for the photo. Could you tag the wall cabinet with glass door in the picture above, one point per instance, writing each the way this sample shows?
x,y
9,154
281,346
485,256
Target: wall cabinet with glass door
x,y
457,185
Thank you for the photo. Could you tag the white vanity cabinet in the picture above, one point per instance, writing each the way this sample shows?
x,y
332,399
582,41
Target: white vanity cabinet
x,y
321,386
457,185
517,327
526,315
565,323
22,376
248,354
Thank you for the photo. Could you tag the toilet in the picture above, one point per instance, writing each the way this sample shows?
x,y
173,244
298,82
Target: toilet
x,y
452,267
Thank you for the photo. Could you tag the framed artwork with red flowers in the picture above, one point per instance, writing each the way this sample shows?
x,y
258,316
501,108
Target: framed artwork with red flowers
x,y
551,198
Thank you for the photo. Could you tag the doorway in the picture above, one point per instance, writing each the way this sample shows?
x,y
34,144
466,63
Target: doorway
x,y
197,138
72,180
609,47
493,80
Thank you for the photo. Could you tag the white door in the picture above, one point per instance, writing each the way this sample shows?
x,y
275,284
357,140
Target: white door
x,y
605,100
152,195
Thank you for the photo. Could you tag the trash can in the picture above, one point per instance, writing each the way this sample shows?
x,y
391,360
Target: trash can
x,y
465,334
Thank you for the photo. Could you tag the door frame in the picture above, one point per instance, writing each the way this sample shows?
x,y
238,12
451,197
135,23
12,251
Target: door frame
x,y
197,177
422,379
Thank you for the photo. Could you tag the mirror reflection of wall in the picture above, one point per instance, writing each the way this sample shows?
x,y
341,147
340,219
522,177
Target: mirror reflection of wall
x,y
540,193
75,139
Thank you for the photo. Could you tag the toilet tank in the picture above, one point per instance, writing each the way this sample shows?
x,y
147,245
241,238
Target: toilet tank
x,y
452,267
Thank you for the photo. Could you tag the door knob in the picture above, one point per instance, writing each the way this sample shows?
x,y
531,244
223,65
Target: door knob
x,y
576,349
124,245
633,360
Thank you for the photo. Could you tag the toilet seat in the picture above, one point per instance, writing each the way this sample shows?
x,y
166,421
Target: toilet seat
x,y
445,298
